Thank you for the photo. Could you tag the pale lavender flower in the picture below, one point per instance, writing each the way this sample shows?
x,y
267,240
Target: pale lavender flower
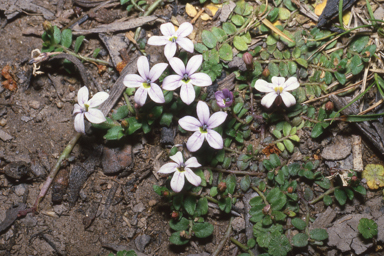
x,y
186,78
181,169
146,81
224,98
171,38
88,108
278,87
203,127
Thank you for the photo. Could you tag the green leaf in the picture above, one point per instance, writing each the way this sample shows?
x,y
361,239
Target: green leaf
x,y
56,35
240,44
202,206
340,196
159,190
202,230
300,240
126,253
200,48
302,62
120,113
359,43
238,107
106,125
66,38
286,128
245,183
275,161
324,183
177,201
225,52
190,204
166,119
356,65
280,146
78,42
273,69
368,228
318,234
272,15
213,192
277,134
219,34
231,183
209,39
317,130
115,133
238,20
299,223
229,28
279,246
294,138
122,2
179,225
133,125
289,145
327,200
95,53
176,239
277,199
360,189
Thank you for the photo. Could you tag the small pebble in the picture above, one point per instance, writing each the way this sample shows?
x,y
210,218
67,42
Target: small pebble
x,y
238,224
34,104
20,189
152,202
139,207
3,122
59,104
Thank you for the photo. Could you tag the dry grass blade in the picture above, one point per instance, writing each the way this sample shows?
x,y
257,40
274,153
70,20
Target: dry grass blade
x,y
276,30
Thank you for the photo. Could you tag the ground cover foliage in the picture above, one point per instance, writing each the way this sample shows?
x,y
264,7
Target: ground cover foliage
x,y
248,141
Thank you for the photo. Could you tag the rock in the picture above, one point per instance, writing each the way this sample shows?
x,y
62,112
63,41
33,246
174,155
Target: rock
x,y
380,223
3,122
339,149
345,235
17,170
34,104
152,203
238,224
131,232
29,220
142,241
379,13
59,209
226,11
237,63
324,219
115,160
167,136
20,189
139,207
5,136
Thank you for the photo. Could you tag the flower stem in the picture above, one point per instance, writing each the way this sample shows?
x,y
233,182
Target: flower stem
x,y
130,108
242,247
329,191
137,6
261,194
86,58
148,12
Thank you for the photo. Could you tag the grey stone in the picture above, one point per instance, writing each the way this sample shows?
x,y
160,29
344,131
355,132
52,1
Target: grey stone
x,y
139,207
20,189
200,254
238,224
339,149
59,209
142,241
379,13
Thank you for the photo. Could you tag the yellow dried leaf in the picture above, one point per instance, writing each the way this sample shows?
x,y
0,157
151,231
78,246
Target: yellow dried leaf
x,y
374,174
174,21
190,10
205,16
320,7
347,17
211,9
277,23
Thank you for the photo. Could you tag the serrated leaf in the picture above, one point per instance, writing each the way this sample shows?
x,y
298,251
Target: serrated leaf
x,y
120,113
133,125
245,183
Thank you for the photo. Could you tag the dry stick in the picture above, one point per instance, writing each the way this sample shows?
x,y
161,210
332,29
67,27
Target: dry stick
x,y
371,107
224,239
364,85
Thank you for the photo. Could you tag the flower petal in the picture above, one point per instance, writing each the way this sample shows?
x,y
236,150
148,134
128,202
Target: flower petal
x,y
156,93
288,99
195,141
193,64
263,86
192,163
186,44
216,119
141,96
168,168
79,123
82,96
76,109
291,84
167,29
202,112
169,50
187,93
177,158
201,79
158,40
156,71
95,116
143,67
184,30
278,81
214,139
192,177
177,182
97,99
190,123
178,66
268,99
172,82
133,81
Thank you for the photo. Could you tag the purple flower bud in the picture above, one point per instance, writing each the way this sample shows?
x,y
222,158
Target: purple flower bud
x,y
224,98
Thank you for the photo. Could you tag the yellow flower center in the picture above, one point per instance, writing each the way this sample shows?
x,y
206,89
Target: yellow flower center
x,y
278,89
86,106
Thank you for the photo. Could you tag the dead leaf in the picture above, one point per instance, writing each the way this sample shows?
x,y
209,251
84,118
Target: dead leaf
x,y
211,9
320,7
9,83
190,10
271,149
205,16
374,174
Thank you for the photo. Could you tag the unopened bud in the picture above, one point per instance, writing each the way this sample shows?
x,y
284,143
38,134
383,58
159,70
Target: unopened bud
x,y
267,209
329,106
222,186
266,72
248,60
290,190
165,193
124,124
47,26
175,215
354,178
366,54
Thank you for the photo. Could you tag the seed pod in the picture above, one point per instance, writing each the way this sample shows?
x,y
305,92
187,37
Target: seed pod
x,y
175,215
248,60
266,72
290,189
222,186
60,185
329,106
267,209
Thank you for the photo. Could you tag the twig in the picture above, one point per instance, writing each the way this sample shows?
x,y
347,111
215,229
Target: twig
x,y
224,239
